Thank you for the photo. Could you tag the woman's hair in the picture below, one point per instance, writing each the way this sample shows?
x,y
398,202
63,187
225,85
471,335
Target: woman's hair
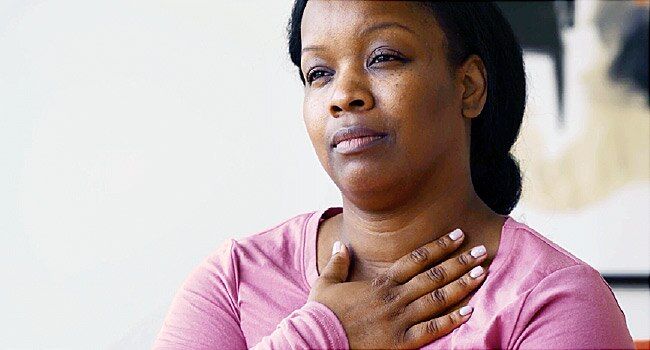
x,y
476,28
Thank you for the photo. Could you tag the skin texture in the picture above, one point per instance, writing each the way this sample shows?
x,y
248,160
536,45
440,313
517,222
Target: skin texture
x,y
415,186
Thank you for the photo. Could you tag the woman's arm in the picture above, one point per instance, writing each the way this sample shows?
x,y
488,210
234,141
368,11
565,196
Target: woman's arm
x,y
572,308
204,315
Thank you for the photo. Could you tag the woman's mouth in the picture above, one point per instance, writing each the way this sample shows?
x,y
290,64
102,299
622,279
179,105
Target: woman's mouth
x,y
356,139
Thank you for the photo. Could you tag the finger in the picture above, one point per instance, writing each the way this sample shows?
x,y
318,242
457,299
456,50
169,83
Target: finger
x,y
441,299
336,270
413,263
442,274
428,331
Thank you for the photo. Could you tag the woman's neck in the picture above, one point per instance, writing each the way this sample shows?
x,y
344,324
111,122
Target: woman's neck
x,y
377,239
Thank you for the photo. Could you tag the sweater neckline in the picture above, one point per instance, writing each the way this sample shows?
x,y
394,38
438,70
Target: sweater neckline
x,y
310,233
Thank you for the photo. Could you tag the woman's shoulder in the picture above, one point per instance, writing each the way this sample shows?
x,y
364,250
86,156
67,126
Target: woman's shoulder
x,y
534,251
560,300
279,245
285,236
528,263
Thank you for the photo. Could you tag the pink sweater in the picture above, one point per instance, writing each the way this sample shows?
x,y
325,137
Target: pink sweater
x,y
252,293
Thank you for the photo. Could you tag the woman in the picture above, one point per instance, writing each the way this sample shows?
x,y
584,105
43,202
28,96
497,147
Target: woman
x,y
412,108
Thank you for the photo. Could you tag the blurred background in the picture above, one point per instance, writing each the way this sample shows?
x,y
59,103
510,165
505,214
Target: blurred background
x,y
136,136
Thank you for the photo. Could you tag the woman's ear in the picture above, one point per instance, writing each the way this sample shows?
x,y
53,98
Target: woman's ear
x,y
474,86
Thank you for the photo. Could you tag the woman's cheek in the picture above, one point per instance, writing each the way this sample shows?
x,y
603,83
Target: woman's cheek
x,y
316,129
396,91
310,116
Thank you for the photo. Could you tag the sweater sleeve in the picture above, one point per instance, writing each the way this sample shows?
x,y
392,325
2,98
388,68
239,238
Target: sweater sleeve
x,y
204,314
572,308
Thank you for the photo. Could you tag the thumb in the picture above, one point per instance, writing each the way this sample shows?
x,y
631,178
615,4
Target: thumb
x,y
337,268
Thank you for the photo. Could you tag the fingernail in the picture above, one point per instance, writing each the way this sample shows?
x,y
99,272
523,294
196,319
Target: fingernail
x,y
465,310
456,234
476,272
336,247
477,251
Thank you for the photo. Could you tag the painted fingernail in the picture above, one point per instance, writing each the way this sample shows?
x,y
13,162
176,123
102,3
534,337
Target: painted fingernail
x,y
477,251
465,310
476,272
456,234
336,247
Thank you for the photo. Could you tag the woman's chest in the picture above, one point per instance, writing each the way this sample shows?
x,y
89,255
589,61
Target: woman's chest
x,y
262,306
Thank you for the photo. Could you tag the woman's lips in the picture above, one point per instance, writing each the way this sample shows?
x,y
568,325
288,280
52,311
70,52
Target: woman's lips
x,y
358,144
356,138
353,131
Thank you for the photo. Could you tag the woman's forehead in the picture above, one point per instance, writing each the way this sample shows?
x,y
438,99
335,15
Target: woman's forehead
x,y
325,20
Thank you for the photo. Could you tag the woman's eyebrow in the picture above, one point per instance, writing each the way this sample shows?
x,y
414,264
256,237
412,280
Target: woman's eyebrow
x,y
382,25
312,48
365,31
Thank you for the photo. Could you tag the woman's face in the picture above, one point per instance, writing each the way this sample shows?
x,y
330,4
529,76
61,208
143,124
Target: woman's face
x,y
380,65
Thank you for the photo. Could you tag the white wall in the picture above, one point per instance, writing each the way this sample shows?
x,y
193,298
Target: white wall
x,y
135,136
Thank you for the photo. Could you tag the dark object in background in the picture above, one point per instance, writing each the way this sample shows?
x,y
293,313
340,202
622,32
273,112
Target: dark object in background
x,y
640,281
623,28
537,25
631,62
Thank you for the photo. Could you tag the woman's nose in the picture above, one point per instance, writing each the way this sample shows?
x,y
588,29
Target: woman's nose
x,y
351,94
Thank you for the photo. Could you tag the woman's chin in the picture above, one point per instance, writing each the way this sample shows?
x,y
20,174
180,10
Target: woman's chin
x,y
371,192
363,179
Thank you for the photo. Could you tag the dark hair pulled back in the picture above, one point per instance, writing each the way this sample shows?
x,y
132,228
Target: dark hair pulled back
x,y
476,28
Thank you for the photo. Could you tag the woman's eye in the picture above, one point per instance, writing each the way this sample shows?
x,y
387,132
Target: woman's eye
x,y
385,55
315,74
383,58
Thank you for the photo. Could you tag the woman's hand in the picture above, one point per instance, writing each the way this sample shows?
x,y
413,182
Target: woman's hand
x,y
405,306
